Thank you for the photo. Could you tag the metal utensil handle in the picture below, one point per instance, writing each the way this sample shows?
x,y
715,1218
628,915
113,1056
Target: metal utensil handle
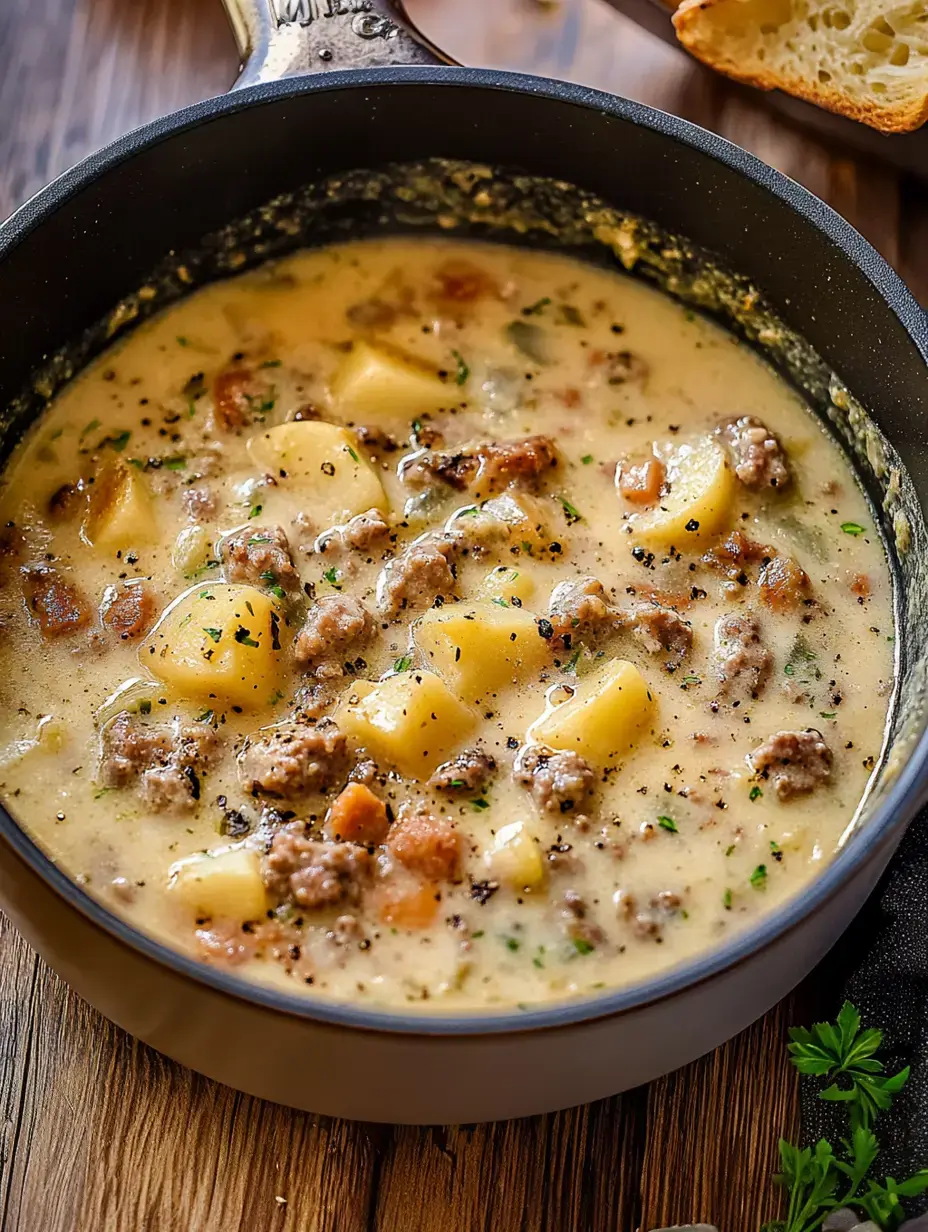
x,y
285,38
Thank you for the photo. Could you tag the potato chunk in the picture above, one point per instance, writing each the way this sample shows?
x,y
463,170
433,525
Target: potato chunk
x,y
480,648
218,641
411,720
385,381
506,583
604,718
697,507
223,884
325,463
515,857
121,514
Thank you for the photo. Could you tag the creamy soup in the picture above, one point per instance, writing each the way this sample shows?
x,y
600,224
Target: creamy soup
x,y
417,620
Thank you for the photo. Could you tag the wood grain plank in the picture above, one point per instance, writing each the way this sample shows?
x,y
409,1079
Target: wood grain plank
x,y
713,1127
574,1169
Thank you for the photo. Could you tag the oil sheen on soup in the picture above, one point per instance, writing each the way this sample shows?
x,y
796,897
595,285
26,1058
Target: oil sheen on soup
x,y
421,621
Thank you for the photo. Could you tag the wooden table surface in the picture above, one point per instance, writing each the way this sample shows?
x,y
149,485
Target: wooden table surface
x,y
100,1134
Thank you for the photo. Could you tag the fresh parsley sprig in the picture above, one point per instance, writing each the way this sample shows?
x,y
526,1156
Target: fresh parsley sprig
x,y
843,1051
823,1178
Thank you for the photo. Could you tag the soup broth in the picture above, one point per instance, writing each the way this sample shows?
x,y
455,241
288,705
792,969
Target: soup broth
x,y
418,620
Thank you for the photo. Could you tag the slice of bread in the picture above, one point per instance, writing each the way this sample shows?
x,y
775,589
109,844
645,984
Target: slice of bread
x,y
867,59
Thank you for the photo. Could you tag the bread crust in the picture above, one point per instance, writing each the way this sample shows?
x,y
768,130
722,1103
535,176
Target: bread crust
x,y
887,118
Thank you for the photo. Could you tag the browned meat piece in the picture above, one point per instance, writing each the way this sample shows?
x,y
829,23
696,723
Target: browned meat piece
x,y
360,534
793,761
559,782
239,397
649,920
582,932
128,609
489,465
418,576
315,874
67,501
58,607
293,759
743,661
641,485
332,626
757,455
661,629
469,772
427,845
199,504
461,282
259,556
784,585
731,555
313,701
130,746
164,760
582,608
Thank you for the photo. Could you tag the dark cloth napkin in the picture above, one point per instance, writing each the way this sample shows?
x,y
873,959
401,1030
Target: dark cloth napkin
x,y
881,965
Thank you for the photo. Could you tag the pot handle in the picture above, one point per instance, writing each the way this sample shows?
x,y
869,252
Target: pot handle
x,y
286,38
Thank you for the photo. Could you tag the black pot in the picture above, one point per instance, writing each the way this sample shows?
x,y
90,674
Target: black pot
x,y
91,239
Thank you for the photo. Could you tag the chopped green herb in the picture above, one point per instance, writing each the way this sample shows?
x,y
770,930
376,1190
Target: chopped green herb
x,y
276,590
512,943
789,669
668,823
775,848
476,935
244,638
727,900
177,463
571,512
206,717
587,459
145,705
853,528
91,427
403,664
730,848
97,795
573,661
536,309
331,575
536,962
353,454
758,878
480,804
463,371
255,511
756,792
272,363
500,602
214,634
828,714
416,428
137,463
582,946
691,680
117,442
275,698
182,341
457,783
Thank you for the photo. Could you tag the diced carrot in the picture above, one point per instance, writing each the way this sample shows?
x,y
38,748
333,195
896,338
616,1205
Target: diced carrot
x,y
641,485
428,845
410,906
357,816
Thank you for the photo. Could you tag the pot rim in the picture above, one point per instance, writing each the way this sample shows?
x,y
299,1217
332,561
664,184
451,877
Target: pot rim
x,y
901,800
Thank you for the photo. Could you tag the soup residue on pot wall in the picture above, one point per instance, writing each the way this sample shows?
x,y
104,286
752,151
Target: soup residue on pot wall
x,y
422,621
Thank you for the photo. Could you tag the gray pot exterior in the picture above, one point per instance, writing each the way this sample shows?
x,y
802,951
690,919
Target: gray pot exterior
x,y
407,1077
